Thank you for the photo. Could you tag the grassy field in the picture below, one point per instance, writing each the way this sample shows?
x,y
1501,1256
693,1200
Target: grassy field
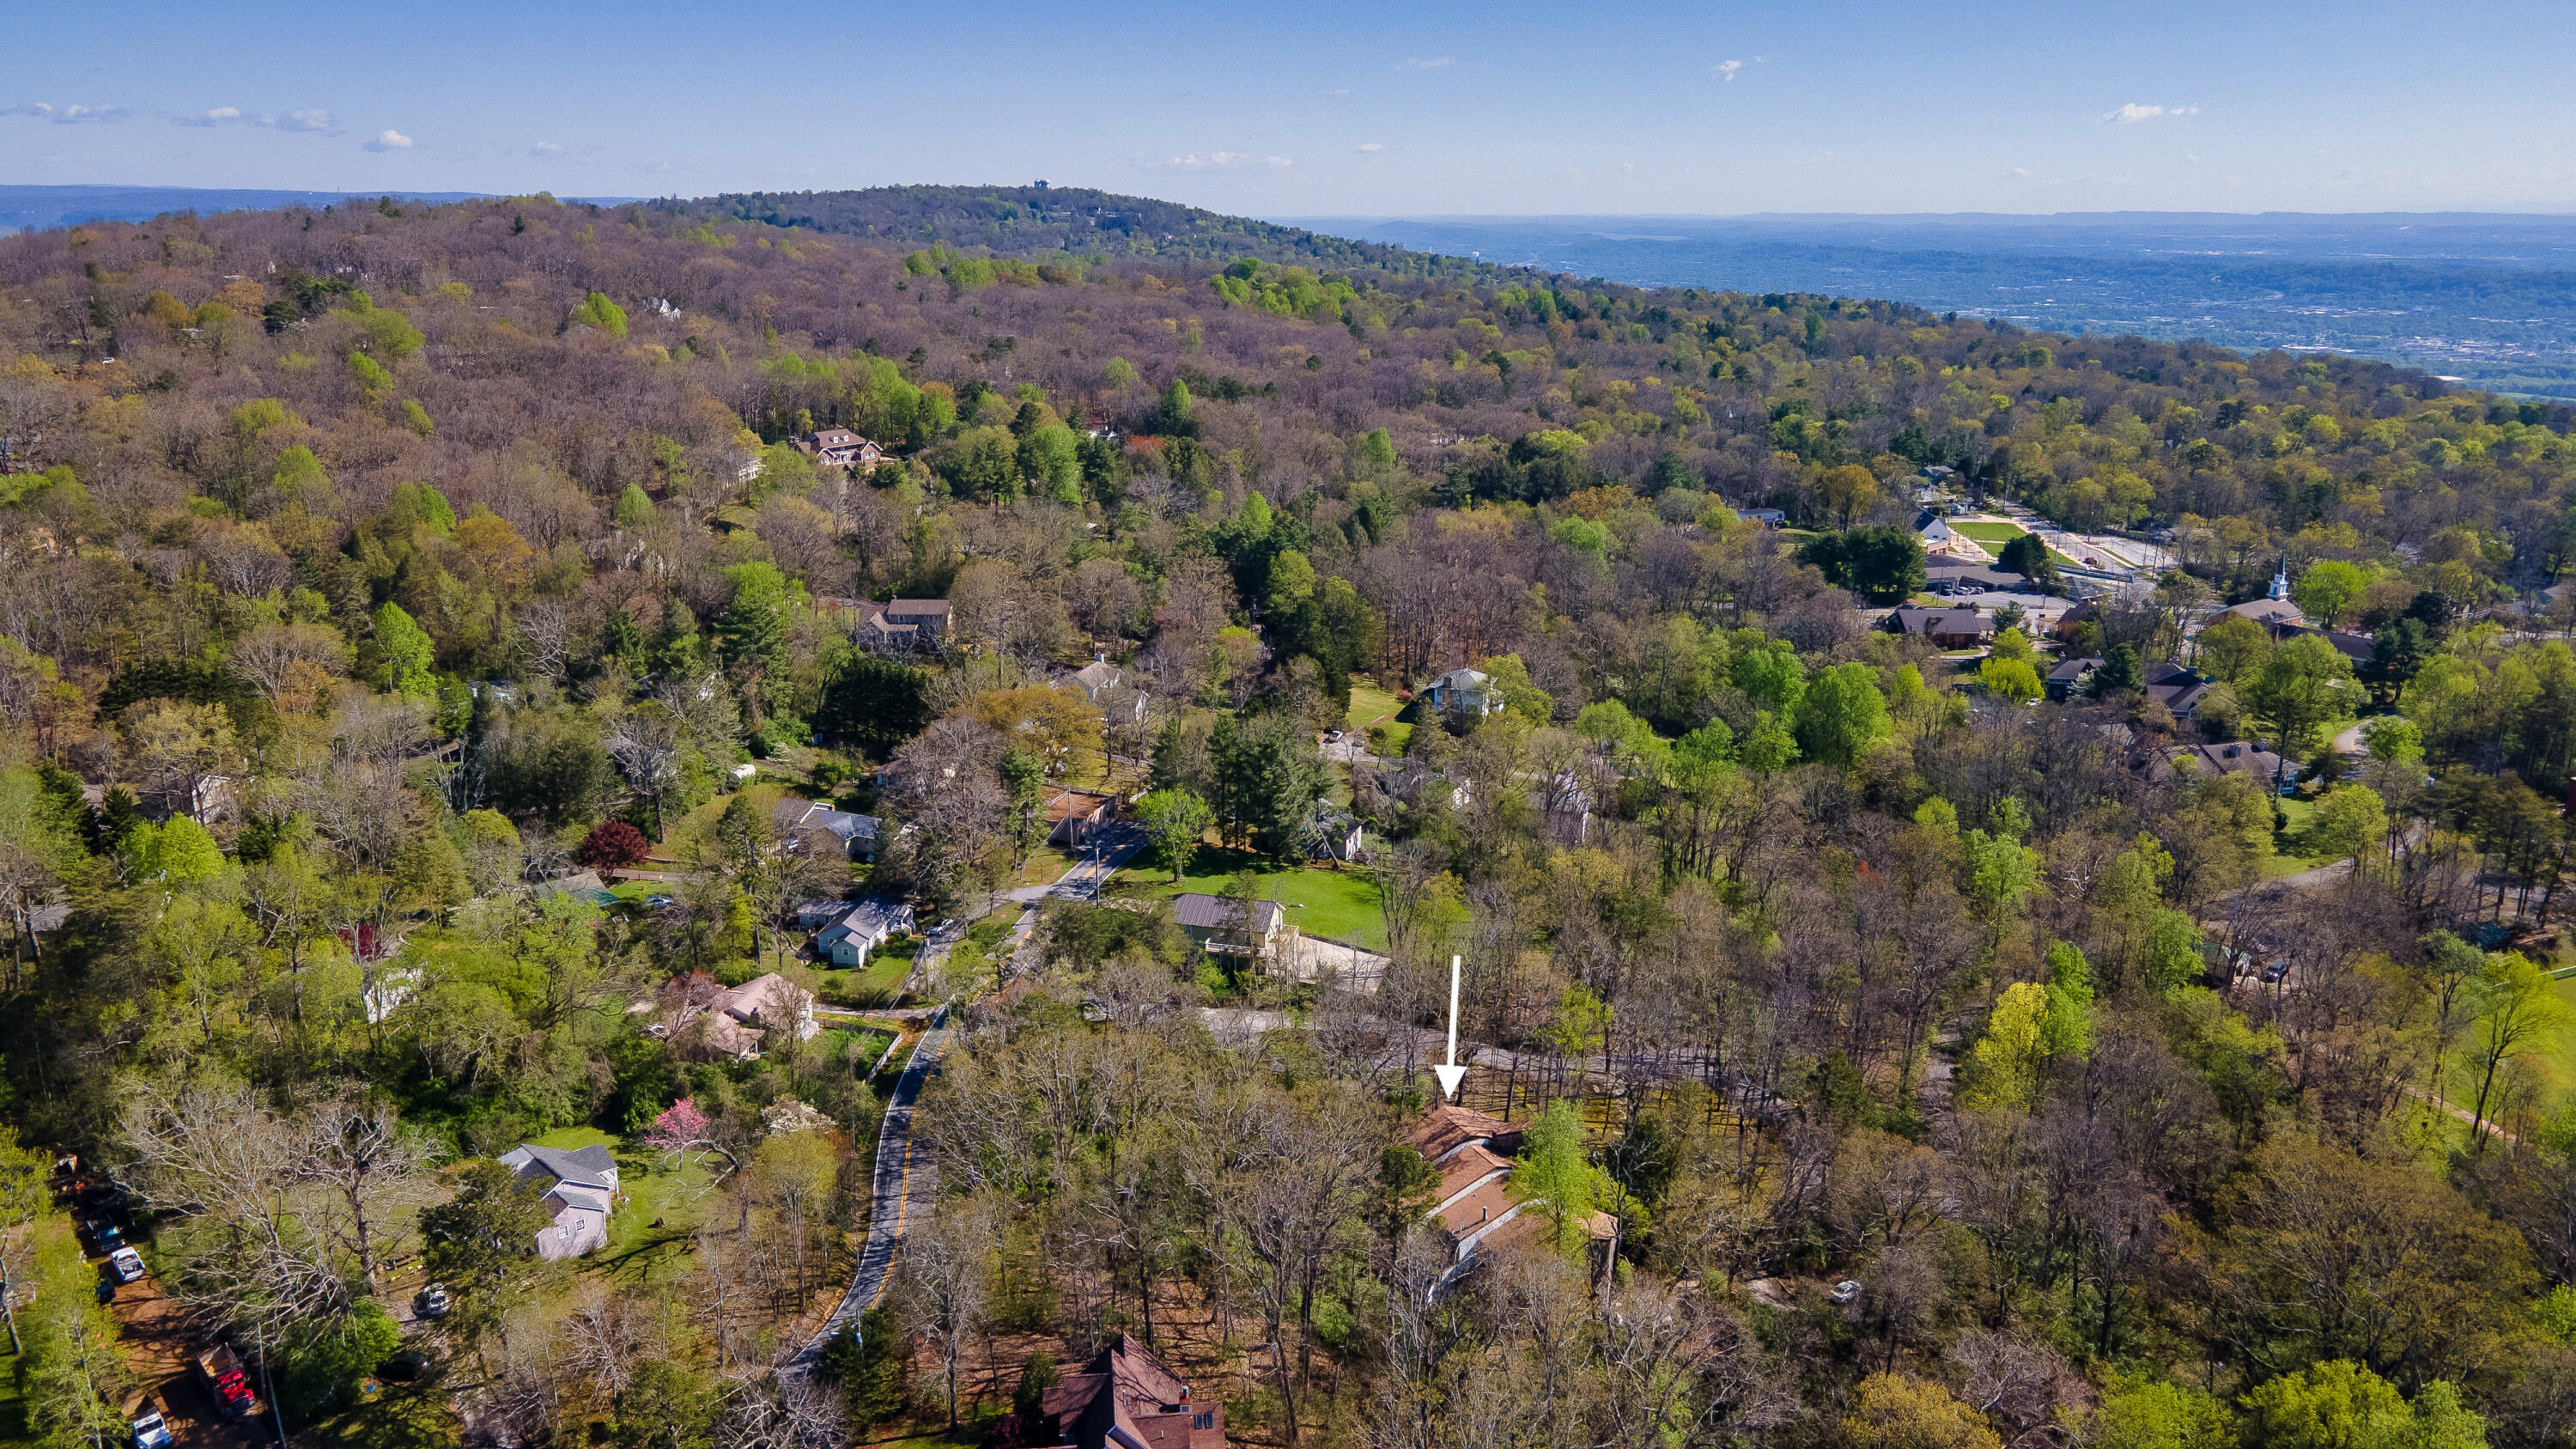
x,y
1993,535
1368,703
1337,905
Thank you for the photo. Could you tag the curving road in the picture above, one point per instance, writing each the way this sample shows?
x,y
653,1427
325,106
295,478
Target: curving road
x,y
906,1181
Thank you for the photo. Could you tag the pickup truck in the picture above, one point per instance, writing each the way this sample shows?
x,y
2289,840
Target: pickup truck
x,y
226,1384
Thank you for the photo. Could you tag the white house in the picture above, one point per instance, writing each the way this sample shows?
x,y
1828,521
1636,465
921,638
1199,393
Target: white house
x,y
1464,691
851,934
581,1187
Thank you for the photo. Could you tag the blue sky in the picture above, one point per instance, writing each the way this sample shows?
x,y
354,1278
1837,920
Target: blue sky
x,y
1327,109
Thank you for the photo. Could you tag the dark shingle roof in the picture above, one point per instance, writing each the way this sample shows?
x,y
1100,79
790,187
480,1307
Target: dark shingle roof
x,y
1215,913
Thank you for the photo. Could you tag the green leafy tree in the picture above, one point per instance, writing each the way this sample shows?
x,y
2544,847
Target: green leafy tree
x,y
2349,822
1522,698
1174,820
2151,1413
328,1362
1840,714
670,1405
405,658
2027,555
2328,590
2517,1010
482,1244
634,507
2341,1405
2302,686
1556,1177
599,312
1050,460
2013,681
1883,564
1024,816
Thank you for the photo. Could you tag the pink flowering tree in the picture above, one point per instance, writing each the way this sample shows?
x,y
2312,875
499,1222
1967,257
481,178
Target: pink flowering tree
x,y
680,1127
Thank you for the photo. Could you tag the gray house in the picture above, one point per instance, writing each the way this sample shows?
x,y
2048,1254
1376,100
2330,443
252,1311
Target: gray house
x,y
581,1186
856,834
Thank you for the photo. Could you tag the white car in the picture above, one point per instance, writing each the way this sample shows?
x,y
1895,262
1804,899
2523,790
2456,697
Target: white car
x,y
1845,1291
127,1263
150,1432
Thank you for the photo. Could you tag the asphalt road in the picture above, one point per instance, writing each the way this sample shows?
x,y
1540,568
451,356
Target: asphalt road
x,y
905,1183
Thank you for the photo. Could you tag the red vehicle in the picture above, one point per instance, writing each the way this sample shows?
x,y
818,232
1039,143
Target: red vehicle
x,y
226,1383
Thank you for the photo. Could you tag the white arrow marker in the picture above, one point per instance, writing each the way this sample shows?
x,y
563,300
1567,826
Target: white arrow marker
x,y
1453,1073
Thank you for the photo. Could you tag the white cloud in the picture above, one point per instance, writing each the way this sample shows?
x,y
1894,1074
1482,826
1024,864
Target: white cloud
x,y
1418,63
2191,156
546,148
1226,161
1725,69
2017,171
310,122
1369,148
66,115
390,141
2132,113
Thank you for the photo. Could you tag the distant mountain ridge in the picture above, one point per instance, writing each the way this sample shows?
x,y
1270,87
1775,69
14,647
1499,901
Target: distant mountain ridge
x,y
29,208
1026,220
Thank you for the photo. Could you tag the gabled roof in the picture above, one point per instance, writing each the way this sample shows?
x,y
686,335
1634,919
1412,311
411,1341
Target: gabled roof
x,y
1216,913
592,1166
1114,1397
2263,611
1462,679
1942,621
1099,674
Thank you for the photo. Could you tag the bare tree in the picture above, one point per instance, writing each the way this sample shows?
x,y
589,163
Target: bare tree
x,y
944,1284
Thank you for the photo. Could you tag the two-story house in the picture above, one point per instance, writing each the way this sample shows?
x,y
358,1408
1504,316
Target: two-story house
x,y
581,1186
1126,1398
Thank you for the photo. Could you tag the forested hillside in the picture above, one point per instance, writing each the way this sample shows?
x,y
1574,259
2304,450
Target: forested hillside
x,y
420,624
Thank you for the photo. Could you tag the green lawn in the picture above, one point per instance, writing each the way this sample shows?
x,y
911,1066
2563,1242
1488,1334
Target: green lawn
x,y
873,984
1994,535
1372,705
1337,905
2289,855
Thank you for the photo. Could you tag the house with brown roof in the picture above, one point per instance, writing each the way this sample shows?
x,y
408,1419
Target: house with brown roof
x,y
1127,1399
902,625
1476,1209
1947,628
1074,816
1219,926
2233,757
738,1018
841,448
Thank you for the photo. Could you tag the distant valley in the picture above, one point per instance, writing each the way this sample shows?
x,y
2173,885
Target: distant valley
x,y
2487,299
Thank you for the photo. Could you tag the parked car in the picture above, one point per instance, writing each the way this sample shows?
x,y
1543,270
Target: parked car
x,y
1845,1291
2274,972
432,1301
106,1236
151,1431
660,903
127,1263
